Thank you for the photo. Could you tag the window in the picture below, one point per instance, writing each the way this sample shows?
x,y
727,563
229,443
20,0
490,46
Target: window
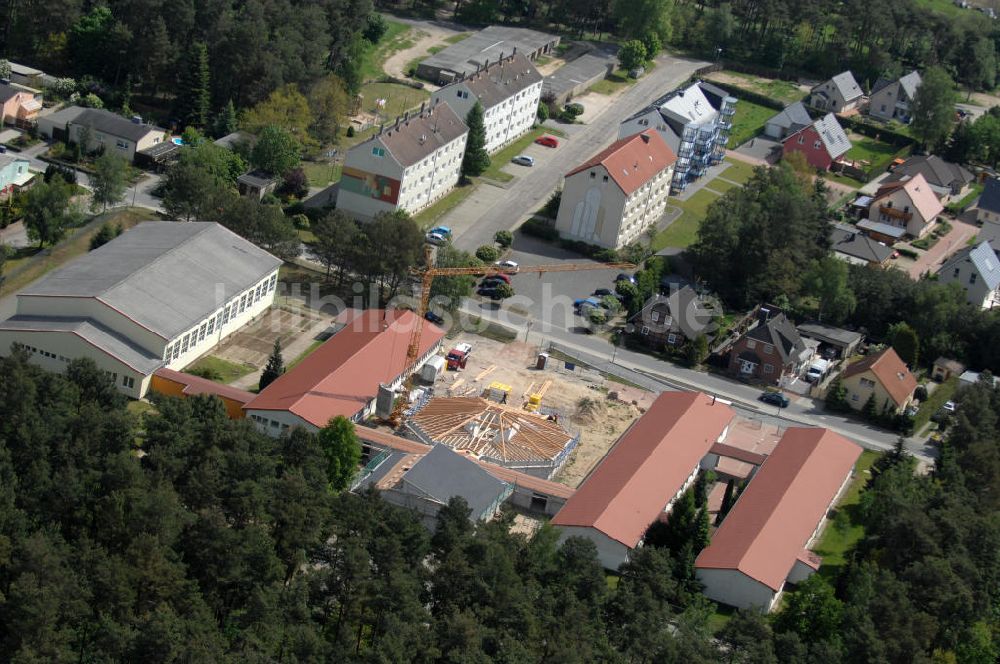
x,y
274,424
593,175
121,145
768,349
605,178
257,293
225,316
854,397
378,151
128,382
645,330
747,367
972,278
817,145
654,316
751,344
955,275
201,332
211,325
243,303
167,352
114,377
270,284
768,369
185,342
177,351
867,382
802,139
671,338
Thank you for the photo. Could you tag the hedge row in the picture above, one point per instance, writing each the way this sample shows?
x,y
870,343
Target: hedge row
x,y
541,229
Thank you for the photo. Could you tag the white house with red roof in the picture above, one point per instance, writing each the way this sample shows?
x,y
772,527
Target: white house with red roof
x,y
612,198
342,377
763,544
650,466
906,207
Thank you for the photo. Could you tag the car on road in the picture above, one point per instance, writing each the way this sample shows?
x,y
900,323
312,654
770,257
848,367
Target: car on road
x,y
603,292
487,291
441,230
437,238
434,318
583,304
775,399
509,266
548,141
496,278
523,160
625,277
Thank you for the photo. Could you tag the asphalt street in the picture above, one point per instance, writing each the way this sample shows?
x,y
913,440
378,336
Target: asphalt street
x,y
508,207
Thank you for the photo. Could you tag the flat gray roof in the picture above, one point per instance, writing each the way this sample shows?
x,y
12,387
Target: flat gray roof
x,y
92,332
486,46
444,473
165,275
829,333
576,72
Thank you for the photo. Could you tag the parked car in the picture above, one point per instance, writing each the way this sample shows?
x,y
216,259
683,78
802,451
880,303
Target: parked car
x,y
817,370
548,141
583,304
441,230
509,266
603,292
523,160
495,279
625,277
434,318
775,399
950,406
437,238
487,290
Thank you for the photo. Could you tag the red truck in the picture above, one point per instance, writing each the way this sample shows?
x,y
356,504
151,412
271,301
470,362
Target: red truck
x,y
458,356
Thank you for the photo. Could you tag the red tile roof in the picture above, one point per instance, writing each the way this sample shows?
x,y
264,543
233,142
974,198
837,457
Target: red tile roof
x,y
890,371
633,161
776,516
647,466
921,195
198,385
342,376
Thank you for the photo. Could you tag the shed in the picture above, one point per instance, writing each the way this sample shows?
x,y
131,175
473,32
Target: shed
x,y
844,342
945,368
256,184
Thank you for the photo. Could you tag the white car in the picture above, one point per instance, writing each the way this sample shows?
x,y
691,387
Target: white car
x,y
523,160
436,238
950,406
509,265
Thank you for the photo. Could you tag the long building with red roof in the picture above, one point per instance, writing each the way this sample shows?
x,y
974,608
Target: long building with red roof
x,y
763,543
612,198
342,376
649,467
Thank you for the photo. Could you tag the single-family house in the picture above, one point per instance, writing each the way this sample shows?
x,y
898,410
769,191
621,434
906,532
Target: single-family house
x,y
949,181
14,174
673,319
907,207
881,376
891,99
988,206
849,244
837,95
771,351
763,545
612,198
821,142
695,122
406,166
649,467
20,105
977,270
508,89
787,122
104,130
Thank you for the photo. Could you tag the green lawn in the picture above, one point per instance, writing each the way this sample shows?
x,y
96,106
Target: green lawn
x,y
776,89
877,153
226,370
946,7
616,81
738,171
720,618
843,532
722,186
398,99
842,179
944,392
748,121
684,230
454,39
959,206
396,38
427,217
503,157
321,174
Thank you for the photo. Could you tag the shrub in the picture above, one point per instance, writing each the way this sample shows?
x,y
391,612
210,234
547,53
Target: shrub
x,y
574,108
543,112
504,238
538,228
350,131
205,372
551,209
920,394
487,254
300,221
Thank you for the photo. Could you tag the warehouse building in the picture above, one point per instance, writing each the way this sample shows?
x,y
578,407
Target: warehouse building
x,y
160,294
488,45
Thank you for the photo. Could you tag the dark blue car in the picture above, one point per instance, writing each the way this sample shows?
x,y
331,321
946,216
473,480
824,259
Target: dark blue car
x,y
775,399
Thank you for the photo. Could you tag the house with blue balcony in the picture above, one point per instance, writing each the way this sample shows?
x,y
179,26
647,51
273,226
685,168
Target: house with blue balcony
x,y
695,121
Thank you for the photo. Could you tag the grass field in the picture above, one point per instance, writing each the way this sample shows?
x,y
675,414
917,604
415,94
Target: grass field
x,y
321,174
398,98
616,81
396,38
427,217
844,532
875,152
944,392
748,122
462,36
226,370
946,7
776,89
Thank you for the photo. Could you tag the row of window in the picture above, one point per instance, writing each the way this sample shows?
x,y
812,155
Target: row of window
x,y
45,353
218,321
768,348
264,422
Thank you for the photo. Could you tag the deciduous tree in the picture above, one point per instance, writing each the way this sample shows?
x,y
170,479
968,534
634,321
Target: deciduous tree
x,y
933,108
49,211
342,450
275,151
108,181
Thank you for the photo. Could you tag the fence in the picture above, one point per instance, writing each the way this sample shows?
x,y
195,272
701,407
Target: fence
x,y
369,468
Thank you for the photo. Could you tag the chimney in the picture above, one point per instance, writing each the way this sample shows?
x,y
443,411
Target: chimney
x,y
645,137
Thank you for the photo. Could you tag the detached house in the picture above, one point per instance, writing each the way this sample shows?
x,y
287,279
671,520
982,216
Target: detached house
x,y
988,207
20,106
407,166
787,122
611,199
890,100
882,375
837,95
508,89
769,351
906,207
822,142
14,174
977,270
948,180
673,319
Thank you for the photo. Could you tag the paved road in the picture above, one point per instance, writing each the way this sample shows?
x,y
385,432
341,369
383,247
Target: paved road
x,y
474,226
600,353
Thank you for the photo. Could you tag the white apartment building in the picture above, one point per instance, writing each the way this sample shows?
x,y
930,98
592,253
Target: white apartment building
x,y
406,166
614,197
509,91
160,295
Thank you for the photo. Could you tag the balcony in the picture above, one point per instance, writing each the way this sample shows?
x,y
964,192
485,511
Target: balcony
x,y
728,110
895,213
725,125
685,153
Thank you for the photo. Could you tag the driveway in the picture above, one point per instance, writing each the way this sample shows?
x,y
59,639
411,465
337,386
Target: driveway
x,y
475,221
931,260
427,34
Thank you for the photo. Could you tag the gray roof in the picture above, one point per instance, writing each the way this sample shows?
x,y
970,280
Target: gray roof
x,y
443,473
689,314
486,46
107,122
258,179
829,333
413,139
780,333
793,117
678,108
910,83
983,258
165,275
936,171
990,198
93,333
64,116
832,135
497,82
853,243
847,86
572,74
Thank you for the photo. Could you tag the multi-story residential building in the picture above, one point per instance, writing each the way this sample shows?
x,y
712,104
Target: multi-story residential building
x,y
508,89
406,166
611,199
694,121
159,295
890,100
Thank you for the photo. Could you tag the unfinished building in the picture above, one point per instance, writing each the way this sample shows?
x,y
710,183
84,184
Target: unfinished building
x,y
507,436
